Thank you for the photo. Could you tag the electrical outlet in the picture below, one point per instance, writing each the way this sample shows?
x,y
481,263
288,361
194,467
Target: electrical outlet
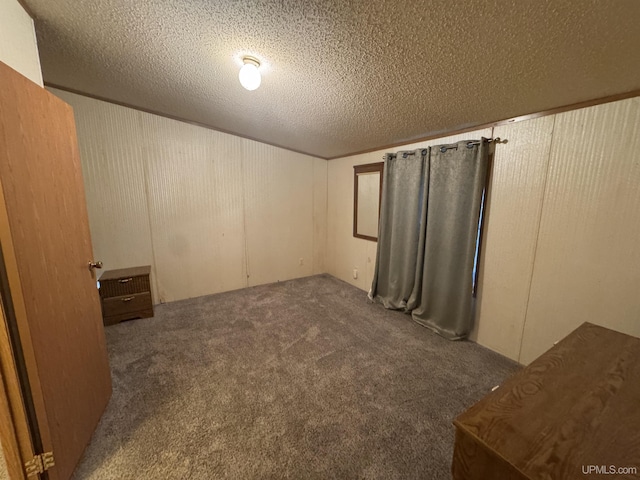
x,y
301,261
355,273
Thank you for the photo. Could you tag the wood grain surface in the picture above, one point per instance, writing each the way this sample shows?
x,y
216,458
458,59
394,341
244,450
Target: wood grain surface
x,y
58,308
126,294
478,462
125,273
14,431
121,317
124,286
577,405
126,304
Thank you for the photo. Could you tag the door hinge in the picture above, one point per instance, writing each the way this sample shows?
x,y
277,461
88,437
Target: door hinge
x,y
39,464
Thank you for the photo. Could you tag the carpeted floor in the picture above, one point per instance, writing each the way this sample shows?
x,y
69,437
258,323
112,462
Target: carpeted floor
x,y
301,379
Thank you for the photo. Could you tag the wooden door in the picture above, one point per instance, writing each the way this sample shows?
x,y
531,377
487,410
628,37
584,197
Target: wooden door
x,y
44,236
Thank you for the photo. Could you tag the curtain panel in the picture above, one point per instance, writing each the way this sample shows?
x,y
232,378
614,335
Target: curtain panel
x,y
427,239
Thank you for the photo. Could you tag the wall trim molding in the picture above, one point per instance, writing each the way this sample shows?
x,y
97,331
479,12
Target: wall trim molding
x,y
445,133
497,123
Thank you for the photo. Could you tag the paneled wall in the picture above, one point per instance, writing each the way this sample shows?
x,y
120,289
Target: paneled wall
x,y
587,265
210,211
511,230
563,224
18,47
114,170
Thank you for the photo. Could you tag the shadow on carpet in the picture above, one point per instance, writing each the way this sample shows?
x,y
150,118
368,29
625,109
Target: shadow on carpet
x,y
300,379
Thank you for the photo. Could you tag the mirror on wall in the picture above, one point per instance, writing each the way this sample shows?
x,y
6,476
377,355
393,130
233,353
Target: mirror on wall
x,y
367,193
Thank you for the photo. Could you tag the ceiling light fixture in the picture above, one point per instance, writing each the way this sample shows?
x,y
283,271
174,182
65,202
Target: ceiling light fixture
x,y
249,74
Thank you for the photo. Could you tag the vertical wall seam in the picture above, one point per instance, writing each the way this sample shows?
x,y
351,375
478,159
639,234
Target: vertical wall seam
x,y
243,187
325,250
314,220
145,171
537,239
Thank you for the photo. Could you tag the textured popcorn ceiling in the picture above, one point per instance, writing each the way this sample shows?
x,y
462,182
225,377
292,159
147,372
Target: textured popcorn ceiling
x,y
342,76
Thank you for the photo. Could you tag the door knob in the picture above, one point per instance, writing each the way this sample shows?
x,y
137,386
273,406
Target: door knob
x,y
93,265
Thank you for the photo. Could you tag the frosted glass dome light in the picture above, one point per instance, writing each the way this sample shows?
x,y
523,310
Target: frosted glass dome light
x,y
249,74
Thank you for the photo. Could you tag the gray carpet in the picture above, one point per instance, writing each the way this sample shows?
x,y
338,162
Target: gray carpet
x,y
301,379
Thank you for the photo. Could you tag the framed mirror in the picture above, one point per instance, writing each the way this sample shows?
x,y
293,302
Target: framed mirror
x,y
367,195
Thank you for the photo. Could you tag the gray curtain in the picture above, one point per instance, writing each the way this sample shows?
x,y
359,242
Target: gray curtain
x,y
429,217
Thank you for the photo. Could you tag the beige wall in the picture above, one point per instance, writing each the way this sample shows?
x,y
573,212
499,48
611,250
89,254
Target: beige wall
x,y
210,212
563,224
587,264
18,47
511,230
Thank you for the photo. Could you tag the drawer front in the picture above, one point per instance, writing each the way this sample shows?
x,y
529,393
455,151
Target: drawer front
x,y
124,286
126,304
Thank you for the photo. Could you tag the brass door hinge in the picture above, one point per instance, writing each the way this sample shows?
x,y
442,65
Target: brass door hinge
x,y
39,464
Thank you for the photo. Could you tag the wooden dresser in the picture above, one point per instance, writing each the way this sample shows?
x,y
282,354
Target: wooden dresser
x,y
126,294
573,413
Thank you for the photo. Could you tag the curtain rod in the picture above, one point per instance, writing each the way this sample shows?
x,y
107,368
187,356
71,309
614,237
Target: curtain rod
x,y
444,148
